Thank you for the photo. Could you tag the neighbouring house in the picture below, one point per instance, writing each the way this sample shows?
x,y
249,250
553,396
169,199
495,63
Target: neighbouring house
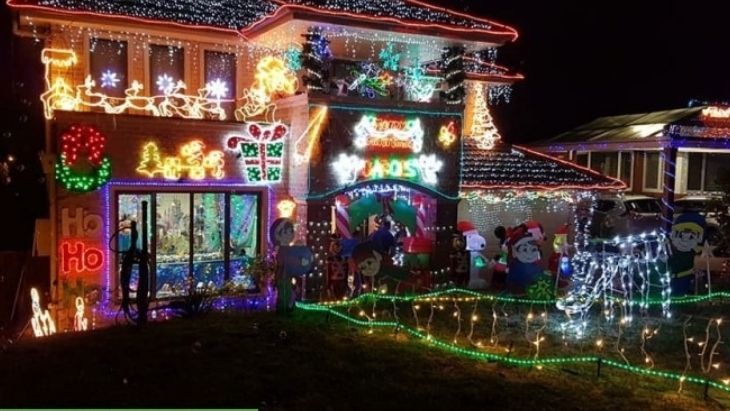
x,y
666,154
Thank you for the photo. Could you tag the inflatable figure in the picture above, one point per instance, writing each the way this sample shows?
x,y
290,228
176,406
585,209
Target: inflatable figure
x,y
525,260
499,263
475,244
459,260
336,269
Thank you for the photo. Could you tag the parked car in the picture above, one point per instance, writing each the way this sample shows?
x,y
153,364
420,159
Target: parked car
x,y
627,215
712,208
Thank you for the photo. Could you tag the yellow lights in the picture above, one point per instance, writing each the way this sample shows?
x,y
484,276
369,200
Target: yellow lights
x,y
716,112
191,161
60,94
286,208
482,129
305,144
61,58
447,134
41,322
80,322
272,78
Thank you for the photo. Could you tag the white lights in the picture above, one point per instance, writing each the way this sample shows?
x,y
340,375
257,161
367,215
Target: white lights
x,y
109,79
165,83
41,322
217,88
347,168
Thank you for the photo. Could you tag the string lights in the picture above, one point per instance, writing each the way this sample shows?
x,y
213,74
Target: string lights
x,y
86,139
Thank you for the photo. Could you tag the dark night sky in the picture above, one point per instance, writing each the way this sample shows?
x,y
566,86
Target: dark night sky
x,y
585,59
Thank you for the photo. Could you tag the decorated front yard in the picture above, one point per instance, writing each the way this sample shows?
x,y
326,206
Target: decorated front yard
x,y
317,359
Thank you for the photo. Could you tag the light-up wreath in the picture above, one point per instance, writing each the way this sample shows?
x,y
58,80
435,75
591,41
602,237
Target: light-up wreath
x,y
82,165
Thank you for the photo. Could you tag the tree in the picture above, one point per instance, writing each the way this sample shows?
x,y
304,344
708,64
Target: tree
x,y
151,163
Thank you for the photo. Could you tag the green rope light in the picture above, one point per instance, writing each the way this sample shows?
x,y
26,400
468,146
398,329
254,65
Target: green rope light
x,y
720,295
524,362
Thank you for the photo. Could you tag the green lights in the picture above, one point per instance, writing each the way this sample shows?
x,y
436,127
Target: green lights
x,y
523,362
75,181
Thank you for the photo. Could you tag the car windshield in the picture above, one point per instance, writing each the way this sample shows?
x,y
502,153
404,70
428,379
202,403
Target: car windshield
x,y
605,205
644,206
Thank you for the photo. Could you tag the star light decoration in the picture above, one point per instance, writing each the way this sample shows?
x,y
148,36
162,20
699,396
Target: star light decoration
x,y
165,83
389,58
109,79
217,88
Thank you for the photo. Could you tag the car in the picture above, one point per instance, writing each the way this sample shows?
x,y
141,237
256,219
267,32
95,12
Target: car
x,y
711,207
625,215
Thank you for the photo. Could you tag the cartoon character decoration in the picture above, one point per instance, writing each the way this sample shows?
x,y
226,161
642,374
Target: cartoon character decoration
x,y
559,262
525,259
688,233
41,322
336,269
499,263
80,322
459,260
291,262
368,261
475,244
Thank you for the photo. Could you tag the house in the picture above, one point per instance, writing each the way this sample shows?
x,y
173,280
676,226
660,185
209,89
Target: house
x,y
666,154
208,121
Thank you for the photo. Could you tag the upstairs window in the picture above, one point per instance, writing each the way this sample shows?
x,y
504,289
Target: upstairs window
x,y
167,67
220,73
108,66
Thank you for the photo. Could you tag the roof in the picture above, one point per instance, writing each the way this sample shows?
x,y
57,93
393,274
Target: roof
x,y
515,167
239,15
625,127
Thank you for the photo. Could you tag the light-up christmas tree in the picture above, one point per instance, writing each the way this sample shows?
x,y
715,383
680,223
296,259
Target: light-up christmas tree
x,y
150,163
482,126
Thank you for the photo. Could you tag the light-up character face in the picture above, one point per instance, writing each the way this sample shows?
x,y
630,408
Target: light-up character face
x,y
687,239
369,267
526,251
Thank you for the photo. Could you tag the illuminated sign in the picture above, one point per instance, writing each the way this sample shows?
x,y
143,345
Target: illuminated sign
x,y
422,168
77,257
80,323
716,113
262,149
286,208
447,134
191,161
389,133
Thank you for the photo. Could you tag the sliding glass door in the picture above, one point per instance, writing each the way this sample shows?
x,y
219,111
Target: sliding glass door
x,y
198,239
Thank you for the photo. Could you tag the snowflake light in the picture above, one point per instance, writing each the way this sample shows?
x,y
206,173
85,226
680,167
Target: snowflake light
x,y
109,79
217,88
165,83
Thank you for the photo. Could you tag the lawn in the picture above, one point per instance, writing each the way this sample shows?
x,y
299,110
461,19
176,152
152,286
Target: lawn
x,y
306,361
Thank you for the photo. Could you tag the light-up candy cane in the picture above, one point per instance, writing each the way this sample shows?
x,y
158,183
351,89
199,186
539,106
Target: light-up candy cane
x,y
80,323
41,322
342,216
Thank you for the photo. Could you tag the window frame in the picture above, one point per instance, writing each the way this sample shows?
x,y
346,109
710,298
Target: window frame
x,y
660,173
130,58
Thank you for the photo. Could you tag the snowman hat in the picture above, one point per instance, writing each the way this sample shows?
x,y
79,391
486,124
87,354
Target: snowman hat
x,y
466,227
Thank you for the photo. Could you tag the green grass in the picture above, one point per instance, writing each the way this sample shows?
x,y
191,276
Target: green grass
x,y
237,360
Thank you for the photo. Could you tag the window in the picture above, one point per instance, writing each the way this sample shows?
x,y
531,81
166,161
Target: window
x,y
626,167
191,233
716,165
108,66
581,159
695,168
652,171
167,67
704,169
220,69
605,163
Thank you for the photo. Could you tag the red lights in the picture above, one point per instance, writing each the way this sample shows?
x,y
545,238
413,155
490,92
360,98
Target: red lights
x,y
76,257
